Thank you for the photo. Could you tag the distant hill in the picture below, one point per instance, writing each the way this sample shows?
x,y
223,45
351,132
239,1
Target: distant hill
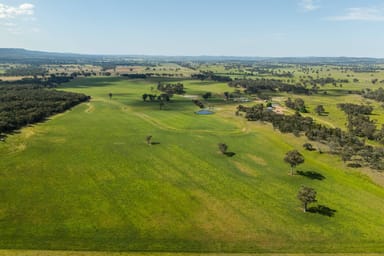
x,y
17,55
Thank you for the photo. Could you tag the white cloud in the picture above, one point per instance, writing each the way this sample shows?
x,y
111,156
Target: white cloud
x,y
17,19
10,12
308,5
361,14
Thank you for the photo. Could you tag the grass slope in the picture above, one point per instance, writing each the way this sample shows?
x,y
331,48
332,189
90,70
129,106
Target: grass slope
x,y
86,180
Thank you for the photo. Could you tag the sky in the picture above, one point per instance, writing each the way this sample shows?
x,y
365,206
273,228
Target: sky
x,y
265,28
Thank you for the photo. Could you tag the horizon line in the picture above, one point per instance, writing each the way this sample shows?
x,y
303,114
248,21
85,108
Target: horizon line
x,y
194,56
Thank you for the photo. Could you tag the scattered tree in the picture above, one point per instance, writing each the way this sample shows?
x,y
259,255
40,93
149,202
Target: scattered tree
x,y
306,195
149,139
207,95
308,146
110,95
198,103
319,109
226,95
223,147
293,158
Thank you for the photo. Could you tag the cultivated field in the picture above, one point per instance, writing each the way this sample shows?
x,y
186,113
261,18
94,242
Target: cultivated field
x,y
87,180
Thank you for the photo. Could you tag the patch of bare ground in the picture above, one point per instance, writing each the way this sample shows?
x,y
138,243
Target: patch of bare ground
x,y
375,176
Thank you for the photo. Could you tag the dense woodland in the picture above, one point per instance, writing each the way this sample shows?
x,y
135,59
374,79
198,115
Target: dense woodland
x,y
22,104
49,81
211,76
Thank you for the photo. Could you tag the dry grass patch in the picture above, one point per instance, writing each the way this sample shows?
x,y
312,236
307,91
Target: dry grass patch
x,y
257,160
245,169
90,108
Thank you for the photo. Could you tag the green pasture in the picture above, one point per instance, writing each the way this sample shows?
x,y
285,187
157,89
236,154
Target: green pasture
x,y
93,253
86,180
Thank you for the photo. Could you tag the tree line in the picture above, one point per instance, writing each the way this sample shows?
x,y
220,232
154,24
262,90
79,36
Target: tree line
x,y
46,81
209,75
28,70
22,104
273,85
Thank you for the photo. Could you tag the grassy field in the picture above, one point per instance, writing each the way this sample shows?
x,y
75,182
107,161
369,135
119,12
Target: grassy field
x,y
86,253
86,180
78,253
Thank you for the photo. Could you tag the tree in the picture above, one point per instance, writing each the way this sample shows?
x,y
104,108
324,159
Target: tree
x,y
110,95
346,153
149,139
308,146
306,195
319,109
293,158
226,95
300,105
207,95
223,147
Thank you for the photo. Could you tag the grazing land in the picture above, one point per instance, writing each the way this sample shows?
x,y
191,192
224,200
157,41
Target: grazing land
x,y
89,179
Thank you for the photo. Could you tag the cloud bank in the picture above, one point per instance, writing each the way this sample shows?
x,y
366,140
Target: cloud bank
x,y
11,12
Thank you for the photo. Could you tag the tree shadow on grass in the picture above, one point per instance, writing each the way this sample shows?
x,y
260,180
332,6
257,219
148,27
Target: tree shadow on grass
x,y
324,113
229,154
155,143
311,175
322,210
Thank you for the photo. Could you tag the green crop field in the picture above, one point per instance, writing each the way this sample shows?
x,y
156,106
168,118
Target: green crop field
x,y
87,180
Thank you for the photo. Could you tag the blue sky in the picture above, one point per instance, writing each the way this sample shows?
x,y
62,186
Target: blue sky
x,y
196,27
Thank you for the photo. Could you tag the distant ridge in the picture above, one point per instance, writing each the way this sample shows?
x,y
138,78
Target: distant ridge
x,y
19,55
